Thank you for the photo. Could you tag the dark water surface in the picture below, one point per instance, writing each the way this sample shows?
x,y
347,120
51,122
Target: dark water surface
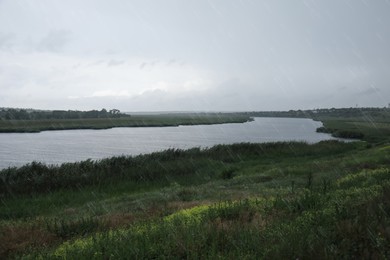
x,y
54,147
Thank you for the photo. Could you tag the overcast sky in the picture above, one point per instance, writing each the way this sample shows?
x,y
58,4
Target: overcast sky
x,y
170,55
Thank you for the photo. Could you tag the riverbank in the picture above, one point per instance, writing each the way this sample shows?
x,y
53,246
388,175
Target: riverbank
x,y
271,200
33,126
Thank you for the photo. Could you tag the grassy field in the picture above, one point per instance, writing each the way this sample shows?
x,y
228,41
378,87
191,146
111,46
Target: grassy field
x,y
21,126
243,201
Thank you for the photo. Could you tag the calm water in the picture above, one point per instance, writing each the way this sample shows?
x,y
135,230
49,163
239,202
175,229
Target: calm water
x,y
55,147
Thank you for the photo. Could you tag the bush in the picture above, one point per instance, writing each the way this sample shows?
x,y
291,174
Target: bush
x,y
228,174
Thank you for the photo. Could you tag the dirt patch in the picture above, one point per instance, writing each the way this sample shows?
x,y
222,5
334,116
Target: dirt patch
x,y
113,221
14,239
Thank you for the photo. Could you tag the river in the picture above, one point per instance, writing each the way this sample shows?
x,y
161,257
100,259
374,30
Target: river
x,y
55,147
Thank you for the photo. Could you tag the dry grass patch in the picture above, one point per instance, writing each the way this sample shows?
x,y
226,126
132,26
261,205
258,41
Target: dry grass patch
x,y
14,239
113,221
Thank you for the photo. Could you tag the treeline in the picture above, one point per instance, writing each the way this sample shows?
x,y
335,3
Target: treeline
x,y
376,112
30,114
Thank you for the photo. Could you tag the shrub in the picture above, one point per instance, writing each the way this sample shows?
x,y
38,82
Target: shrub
x,y
228,174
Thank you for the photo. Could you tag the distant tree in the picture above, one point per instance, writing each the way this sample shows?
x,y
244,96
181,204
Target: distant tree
x,y
115,111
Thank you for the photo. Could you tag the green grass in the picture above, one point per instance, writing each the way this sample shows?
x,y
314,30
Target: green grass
x,y
133,121
343,222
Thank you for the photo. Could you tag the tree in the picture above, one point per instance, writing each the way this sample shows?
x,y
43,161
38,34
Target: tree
x,y
115,111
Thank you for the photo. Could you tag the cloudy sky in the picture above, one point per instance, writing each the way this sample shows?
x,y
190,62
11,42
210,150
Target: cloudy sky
x,y
219,55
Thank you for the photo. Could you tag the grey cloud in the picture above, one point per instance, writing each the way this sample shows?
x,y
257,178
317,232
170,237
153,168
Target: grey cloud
x,y
250,54
369,91
76,66
147,65
55,41
115,63
142,65
175,62
95,63
227,96
343,88
171,62
7,40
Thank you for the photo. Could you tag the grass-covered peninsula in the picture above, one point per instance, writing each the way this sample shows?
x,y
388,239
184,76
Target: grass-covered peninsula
x,y
160,120
371,124
286,200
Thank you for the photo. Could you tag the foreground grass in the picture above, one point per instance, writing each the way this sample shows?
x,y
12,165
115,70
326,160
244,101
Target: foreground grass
x,y
275,200
20,126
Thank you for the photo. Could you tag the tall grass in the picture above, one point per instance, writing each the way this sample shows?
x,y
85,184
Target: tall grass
x,y
36,177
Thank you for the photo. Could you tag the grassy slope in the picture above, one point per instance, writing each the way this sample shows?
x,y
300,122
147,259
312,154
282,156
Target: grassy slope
x,y
133,121
284,200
